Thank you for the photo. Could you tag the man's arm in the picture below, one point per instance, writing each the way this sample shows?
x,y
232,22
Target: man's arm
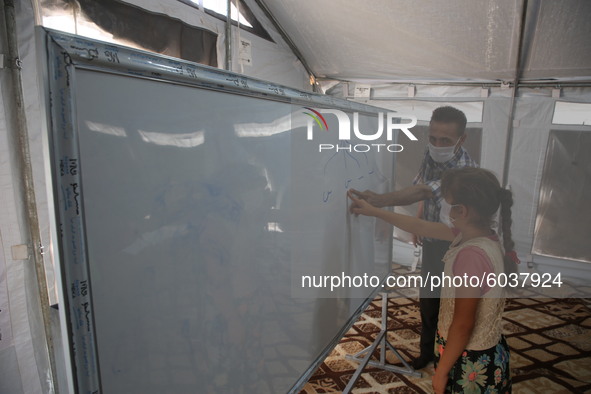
x,y
417,240
406,196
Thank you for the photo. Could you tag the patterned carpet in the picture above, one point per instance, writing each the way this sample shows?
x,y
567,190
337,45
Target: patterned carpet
x,y
550,341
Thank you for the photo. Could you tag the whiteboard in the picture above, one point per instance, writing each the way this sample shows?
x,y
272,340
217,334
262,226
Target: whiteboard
x,y
189,210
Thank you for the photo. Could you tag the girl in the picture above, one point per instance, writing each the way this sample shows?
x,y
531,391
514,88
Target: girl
x,y
471,354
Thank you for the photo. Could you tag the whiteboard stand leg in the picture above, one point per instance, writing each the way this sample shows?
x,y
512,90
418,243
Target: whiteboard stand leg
x,y
382,341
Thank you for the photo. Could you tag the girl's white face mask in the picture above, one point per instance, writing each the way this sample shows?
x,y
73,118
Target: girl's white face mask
x,y
444,214
443,153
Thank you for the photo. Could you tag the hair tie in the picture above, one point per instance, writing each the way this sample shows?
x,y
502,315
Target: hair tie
x,y
513,256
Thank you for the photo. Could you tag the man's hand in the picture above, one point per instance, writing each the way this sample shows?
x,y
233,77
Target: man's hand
x,y
360,206
375,199
417,240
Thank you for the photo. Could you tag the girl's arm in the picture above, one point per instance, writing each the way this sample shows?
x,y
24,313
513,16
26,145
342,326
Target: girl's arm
x,y
404,222
458,335
406,196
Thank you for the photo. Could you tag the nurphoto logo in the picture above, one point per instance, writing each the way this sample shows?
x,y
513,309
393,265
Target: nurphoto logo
x,y
391,119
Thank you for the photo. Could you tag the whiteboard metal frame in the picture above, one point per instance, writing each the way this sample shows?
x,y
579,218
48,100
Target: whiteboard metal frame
x,y
64,54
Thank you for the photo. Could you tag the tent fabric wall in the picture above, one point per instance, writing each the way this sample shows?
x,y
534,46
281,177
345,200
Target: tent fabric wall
x,y
531,124
491,111
532,119
383,42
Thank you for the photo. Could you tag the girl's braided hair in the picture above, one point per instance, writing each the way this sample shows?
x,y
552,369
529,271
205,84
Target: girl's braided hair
x,y
480,190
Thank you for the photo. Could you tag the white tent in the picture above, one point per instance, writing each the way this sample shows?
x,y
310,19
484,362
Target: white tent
x,y
521,70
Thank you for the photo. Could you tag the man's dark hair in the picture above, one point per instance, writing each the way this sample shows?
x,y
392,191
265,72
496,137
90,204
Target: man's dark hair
x,y
449,114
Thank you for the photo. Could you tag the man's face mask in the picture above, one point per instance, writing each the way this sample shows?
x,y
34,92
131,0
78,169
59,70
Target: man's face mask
x,y
442,154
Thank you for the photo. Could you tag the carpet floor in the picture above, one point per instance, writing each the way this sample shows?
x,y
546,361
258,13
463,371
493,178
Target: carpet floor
x,y
550,342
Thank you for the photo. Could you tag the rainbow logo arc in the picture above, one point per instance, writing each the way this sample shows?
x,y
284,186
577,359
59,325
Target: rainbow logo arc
x,y
318,118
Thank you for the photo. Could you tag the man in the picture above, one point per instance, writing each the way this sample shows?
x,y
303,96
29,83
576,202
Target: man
x,y
444,151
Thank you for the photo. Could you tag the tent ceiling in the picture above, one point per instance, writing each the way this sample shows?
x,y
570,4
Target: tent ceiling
x,y
560,44
435,40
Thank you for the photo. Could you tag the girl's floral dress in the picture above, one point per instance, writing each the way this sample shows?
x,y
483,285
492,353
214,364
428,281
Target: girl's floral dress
x,y
478,371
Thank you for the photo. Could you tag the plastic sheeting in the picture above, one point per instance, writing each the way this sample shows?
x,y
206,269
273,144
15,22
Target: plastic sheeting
x,y
119,22
270,60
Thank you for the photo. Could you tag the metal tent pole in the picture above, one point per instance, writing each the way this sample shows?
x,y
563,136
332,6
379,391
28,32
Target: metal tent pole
x,y
26,184
518,66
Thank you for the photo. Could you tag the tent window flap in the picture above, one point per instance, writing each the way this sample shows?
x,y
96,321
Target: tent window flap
x,y
565,192
117,22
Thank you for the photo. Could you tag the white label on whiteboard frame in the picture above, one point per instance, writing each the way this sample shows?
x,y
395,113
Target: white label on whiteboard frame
x,y
362,91
245,52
